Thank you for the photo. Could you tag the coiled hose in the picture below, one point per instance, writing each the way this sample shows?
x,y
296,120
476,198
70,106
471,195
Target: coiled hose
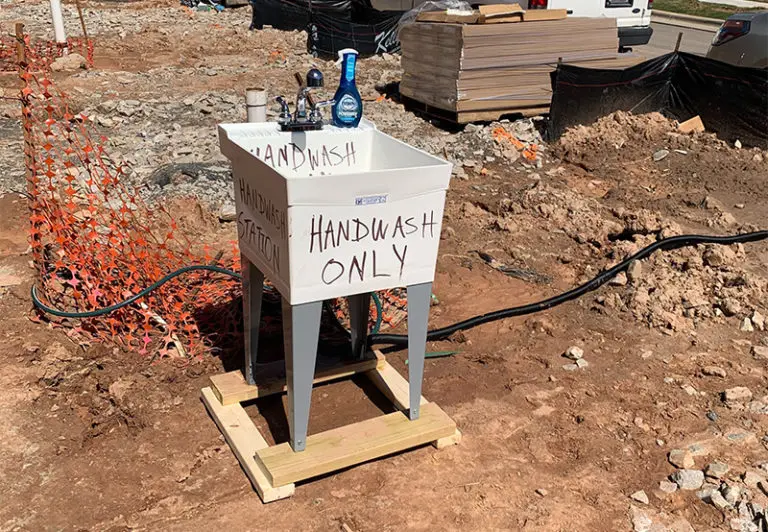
x,y
665,244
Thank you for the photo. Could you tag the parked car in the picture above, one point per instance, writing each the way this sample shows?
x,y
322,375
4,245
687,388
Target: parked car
x,y
742,40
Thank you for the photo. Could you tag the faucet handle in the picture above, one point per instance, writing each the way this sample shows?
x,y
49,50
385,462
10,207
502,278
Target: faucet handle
x,y
285,112
315,114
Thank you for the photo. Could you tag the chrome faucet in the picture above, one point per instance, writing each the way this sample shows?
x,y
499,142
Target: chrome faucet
x,y
301,120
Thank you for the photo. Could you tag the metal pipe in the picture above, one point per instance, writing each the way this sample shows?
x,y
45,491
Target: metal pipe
x,y
58,25
256,104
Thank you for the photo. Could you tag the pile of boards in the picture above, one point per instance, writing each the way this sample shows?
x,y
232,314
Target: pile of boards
x,y
497,60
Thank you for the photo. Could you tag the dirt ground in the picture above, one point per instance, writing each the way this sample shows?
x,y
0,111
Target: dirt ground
x,y
100,439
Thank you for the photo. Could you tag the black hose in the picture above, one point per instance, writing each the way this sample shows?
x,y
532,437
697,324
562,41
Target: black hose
x,y
666,244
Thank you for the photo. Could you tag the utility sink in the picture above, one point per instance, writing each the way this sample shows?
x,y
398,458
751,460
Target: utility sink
x,y
335,212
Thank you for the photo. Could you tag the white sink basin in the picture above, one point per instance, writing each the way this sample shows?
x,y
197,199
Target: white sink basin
x,y
335,212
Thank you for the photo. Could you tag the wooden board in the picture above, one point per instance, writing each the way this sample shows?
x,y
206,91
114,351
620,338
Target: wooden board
x,y
544,14
467,117
245,441
231,388
500,13
353,444
445,17
393,385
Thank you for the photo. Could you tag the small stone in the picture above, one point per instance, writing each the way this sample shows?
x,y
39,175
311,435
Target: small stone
x,y
667,487
574,353
542,492
737,144
582,363
758,320
739,206
570,367
714,371
746,325
690,390
640,496
738,394
68,63
619,280
681,459
716,470
30,347
641,522
660,154
645,355
635,271
760,352
731,493
751,479
688,479
228,212
763,485
718,501
712,416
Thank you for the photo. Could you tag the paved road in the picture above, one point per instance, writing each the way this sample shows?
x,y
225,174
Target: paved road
x,y
665,36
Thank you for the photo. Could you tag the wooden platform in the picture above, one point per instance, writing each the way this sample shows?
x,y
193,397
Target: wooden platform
x,y
274,470
466,117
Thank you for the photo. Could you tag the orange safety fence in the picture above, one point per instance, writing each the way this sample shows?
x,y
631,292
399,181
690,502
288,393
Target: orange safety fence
x,y
95,242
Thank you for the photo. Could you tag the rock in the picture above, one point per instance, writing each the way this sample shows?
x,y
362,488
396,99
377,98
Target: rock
x,y
660,154
714,371
542,492
760,352
68,63
731,493
681,459
640,496
635,271
619,280
746,325
641,521
737,144
763,485
758,320
730,307
30,347
228,212
716,470
570,367
751,479
667,487
574,353
119,388
688,479
743,525
738,394
712,416
718,501
582,363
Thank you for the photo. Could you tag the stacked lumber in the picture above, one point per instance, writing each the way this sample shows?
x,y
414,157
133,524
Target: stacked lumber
x,y
482,68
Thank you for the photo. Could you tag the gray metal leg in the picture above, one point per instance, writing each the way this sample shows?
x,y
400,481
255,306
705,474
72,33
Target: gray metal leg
x,y
301,328
359,309
418,316
253,282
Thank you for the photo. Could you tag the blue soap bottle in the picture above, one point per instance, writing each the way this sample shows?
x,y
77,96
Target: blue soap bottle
x,y
348,107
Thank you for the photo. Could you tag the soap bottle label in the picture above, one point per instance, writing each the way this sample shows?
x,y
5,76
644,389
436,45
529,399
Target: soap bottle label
x,y
347,108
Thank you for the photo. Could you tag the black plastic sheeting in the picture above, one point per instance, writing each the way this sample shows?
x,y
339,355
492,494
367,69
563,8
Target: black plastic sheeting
x,y
332,25
732,101
371,32
296,14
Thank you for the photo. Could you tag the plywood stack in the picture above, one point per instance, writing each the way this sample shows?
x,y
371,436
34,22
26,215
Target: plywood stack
x,y
483,70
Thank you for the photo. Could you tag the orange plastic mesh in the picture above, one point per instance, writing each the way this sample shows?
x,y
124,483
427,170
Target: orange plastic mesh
x,y
96,243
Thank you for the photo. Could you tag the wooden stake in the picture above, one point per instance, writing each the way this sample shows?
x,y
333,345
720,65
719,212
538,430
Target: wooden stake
x,y
21,51
679,39
82,20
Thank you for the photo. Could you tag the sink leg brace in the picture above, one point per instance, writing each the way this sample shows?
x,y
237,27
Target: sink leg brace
x,y
273,470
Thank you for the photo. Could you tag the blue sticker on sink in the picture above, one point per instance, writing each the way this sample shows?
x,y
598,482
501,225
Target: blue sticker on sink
x,y
371,200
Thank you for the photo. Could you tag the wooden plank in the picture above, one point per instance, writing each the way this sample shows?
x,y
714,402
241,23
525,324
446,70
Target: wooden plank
x,y
245,441
544,14
446,17
692,125
231,388
393,385
500,13
353,444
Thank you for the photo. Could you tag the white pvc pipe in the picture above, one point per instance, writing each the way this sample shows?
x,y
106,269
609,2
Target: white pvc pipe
x,y
256,105
58,24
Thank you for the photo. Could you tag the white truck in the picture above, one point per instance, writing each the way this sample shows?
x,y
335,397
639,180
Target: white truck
x,y
633,17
